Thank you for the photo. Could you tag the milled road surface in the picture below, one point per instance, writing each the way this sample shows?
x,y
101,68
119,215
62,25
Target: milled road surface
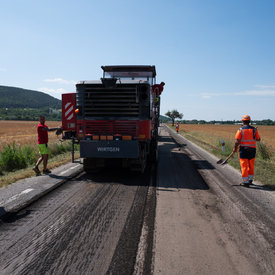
x,y
90,225
196,220
207,223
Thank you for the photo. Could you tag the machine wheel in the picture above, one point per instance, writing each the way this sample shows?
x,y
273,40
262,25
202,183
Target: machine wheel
x,y
153,156
139,165
89,165
143,161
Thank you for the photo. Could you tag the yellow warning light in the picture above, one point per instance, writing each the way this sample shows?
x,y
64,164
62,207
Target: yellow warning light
x,y
126,137
141,136
102,137
76,111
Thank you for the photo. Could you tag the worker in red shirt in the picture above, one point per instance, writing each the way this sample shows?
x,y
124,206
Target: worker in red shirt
x,y
246,138
177,127
42,131
158,88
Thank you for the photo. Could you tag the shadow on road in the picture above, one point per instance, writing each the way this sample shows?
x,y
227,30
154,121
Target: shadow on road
x,y
57,177
13,217
254,186
115,175
2,211
203,164
176,170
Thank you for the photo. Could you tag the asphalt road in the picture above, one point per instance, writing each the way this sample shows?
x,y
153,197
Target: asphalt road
x,y
187,215
89,225
206,223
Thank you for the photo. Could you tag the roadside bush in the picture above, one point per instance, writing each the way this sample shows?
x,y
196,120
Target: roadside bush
x,y
30,154
229,145
12,158
264,152
57,149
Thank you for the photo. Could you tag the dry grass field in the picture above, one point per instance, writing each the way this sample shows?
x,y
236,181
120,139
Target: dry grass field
x,y
23,132
209,137
227,132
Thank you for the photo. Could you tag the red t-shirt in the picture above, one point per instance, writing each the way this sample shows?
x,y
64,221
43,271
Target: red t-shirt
x,y
42,134
157,88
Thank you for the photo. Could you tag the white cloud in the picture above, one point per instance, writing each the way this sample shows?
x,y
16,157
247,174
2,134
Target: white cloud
x,y
209,95
263,90
257,93
206,96
265,86
60,81
53,92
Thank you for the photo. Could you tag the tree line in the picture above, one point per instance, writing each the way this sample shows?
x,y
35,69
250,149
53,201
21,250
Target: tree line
x,y
28,114
174,114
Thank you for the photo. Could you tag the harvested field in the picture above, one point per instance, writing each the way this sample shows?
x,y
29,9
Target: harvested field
x,y
23,132
210,136
228,132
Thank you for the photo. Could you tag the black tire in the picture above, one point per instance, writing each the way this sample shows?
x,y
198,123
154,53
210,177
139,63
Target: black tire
x,y
89,166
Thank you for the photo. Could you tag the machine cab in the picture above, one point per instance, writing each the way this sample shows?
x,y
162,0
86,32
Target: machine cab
x,y
133,73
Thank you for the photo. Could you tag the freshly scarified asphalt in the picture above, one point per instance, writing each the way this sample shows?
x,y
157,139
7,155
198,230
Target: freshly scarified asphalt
x,y
91,224
22,193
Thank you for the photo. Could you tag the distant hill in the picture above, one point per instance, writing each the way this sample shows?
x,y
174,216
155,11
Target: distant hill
x,y
12,97
164,118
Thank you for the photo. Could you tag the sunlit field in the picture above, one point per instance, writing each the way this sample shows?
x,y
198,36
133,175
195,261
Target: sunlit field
x,y
23,132
227,132
210,137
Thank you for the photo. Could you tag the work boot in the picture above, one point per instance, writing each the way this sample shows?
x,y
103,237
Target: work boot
x,y
46,171
246,184
36,170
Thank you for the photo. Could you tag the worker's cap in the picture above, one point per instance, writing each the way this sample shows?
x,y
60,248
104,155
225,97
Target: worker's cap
x,y
246,118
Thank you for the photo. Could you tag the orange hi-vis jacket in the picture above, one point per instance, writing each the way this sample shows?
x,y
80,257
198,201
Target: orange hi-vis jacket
x,y
248,136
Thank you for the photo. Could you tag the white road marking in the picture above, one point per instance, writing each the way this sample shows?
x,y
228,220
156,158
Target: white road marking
x,y
69,169
18,195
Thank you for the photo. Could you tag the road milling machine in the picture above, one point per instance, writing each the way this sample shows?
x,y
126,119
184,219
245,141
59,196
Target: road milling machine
x,y
116,119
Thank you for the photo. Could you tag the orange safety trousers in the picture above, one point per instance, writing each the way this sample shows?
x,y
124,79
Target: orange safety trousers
x,y
247,166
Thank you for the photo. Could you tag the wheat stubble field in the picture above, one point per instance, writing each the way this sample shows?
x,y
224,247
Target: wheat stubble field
x,y
210,137
227,132
23,132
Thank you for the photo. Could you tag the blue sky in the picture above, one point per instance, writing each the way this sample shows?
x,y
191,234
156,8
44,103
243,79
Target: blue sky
x,y
217,57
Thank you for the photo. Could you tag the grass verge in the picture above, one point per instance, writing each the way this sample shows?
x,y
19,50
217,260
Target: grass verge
x,y
16,162
10,177
265,158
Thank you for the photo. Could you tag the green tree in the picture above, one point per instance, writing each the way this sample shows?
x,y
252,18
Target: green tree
x,y
173,115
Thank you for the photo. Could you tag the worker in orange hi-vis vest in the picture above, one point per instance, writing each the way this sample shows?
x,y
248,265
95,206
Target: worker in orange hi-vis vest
x,y
246,138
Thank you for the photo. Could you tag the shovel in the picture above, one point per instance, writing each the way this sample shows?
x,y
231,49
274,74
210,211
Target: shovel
x,y
223,162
